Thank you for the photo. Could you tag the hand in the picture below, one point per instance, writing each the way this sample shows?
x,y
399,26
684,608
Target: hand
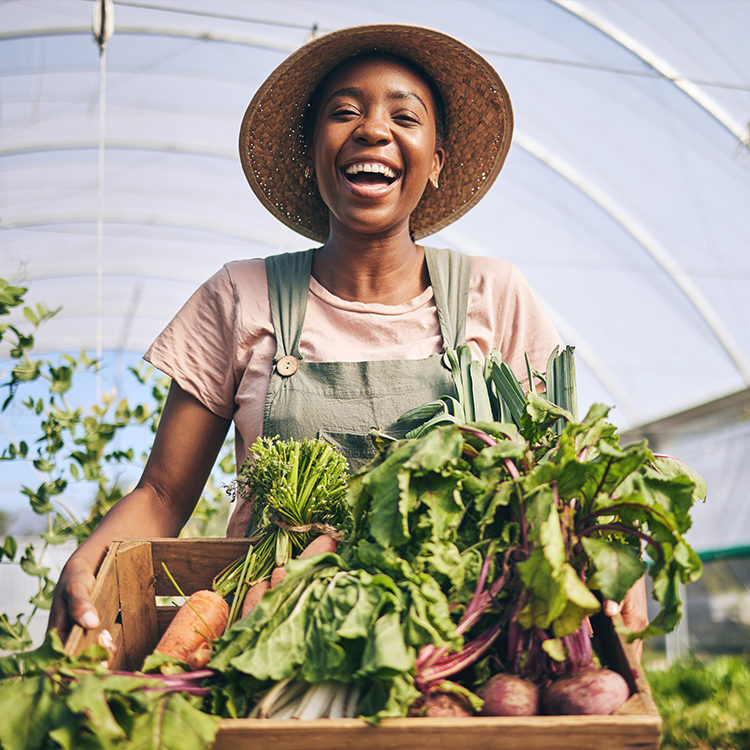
x,y
71,603
634,611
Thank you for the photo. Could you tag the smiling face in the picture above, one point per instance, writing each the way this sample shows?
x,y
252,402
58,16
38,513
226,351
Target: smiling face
x,y
374,147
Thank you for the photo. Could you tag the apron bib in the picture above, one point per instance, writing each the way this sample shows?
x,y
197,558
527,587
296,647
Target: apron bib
x,y
340,402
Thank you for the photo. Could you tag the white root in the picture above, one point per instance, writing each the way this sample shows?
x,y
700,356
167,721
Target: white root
x,y
338,704
265,705
316,702
352,701
288,711
293,694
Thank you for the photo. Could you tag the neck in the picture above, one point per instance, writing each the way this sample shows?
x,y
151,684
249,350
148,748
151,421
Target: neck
x,y
390,270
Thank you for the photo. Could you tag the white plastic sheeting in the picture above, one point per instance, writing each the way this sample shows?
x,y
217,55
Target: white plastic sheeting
x,y
624,201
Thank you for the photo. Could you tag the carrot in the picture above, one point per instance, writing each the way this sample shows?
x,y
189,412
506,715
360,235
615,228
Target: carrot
x,y
200,657
278,575
319,545
253,596
202,618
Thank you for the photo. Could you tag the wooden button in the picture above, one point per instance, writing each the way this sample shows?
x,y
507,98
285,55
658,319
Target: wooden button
x,y
287,366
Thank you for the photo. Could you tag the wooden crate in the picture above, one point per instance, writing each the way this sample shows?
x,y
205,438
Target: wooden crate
x,y
132,576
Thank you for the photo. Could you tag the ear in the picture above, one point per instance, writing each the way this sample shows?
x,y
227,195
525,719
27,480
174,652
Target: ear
x,y
438,160
309,166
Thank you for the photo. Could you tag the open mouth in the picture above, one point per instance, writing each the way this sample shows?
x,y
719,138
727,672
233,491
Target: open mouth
x,y
370,173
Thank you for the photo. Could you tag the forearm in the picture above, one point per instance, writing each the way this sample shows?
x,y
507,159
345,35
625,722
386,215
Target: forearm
x,y
141,514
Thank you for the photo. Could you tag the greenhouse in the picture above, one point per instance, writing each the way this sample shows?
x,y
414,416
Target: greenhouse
x,y
624,202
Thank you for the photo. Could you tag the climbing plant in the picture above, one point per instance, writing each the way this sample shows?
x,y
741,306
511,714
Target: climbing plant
x,y
73,443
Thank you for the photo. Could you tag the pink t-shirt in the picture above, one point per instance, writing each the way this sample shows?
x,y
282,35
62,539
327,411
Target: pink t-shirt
x,y
220,345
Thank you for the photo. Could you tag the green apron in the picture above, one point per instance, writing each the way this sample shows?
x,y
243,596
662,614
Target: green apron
x,y
340,402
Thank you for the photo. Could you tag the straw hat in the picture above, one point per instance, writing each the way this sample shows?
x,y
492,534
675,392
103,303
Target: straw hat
x,y
478,114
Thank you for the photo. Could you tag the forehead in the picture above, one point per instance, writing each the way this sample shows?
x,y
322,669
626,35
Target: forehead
x,y
375,69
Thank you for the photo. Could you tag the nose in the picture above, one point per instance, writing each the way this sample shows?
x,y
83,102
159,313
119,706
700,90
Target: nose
x,y
373,130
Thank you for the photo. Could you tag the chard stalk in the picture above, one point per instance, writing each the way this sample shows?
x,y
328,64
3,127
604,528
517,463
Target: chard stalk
x,y
271,697
352,700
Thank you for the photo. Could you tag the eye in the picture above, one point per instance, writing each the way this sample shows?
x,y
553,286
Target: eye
x,y
406,118
344,111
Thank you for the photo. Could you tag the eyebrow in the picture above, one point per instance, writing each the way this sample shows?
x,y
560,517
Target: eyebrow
x,y
392,95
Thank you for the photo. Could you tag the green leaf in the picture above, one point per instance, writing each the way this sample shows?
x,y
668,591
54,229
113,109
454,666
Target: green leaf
x,y
386,653
13,635
580,602
546,596
175,723
30,316
9,548
30,709
618,566
43,598
88,698
30,566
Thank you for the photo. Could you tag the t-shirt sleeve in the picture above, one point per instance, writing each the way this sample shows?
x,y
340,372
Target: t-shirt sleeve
x,y
197,348
505,314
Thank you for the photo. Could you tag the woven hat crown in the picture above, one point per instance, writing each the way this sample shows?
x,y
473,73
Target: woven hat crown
x,y
478,125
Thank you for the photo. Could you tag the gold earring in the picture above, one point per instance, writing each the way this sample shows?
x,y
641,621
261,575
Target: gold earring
x,y
434,182
308,172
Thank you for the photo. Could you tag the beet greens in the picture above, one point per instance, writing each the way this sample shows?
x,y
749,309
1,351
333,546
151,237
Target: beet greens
x,y
474,541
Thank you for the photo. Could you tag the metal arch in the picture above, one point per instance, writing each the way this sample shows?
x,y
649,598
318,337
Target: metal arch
x,y
648,242
662,67
203,36
167,147
569,333
241,233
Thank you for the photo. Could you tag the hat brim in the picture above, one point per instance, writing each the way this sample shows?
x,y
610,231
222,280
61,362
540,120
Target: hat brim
x,y
478,127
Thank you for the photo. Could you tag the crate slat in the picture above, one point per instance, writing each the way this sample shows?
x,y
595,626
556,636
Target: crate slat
x,y
196,571
137,584
477,733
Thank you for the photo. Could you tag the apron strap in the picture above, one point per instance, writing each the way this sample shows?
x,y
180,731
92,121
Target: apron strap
x,y
450,273
288,286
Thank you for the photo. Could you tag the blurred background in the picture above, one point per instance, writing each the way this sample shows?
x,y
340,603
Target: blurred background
x,y
624,201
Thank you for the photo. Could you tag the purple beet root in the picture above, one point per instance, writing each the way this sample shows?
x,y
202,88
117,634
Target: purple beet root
x,y
590,693
447,704
509,695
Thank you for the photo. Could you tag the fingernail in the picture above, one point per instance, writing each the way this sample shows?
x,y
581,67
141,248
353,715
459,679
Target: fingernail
x,y
106,638
90,620
611,608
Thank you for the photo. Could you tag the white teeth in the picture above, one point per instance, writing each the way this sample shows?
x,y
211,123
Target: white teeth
x,y
371,167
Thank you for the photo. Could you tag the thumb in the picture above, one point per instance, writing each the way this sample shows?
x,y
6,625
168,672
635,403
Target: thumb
x,y
611,608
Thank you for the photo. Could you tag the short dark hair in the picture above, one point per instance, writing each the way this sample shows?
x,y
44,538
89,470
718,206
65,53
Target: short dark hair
x,y
310,112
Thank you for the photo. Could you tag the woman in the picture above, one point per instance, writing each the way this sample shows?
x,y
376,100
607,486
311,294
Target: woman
x,y
365,140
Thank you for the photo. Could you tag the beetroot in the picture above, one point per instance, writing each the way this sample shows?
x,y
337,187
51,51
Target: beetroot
x,y
509,695
439,703
591,692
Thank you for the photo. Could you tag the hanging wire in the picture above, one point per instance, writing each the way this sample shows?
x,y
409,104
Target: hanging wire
x,y
103,26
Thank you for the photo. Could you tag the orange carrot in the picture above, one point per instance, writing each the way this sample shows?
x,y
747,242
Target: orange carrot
x,y
194,625
278,575
253,596
200,657
319,545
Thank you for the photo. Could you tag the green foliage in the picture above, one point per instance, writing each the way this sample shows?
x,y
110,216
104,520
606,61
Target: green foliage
x,y
704,705
51,700
77,444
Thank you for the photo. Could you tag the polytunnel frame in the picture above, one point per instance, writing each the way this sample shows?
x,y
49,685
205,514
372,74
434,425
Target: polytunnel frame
x,y
613,209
